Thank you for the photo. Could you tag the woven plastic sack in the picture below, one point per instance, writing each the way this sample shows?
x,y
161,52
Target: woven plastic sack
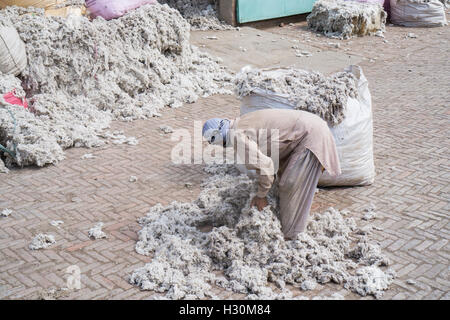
x,y
418,14
13,55
13,99
353,136
112,9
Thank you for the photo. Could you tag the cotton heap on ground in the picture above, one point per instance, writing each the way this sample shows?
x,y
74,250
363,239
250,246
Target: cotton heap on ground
x,y
249,247
82,74
344,19
305,90
201,14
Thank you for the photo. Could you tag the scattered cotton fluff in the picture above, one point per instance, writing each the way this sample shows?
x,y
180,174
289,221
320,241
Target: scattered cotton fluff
x,y
166,129
305,90
344,19
201,14
369,212
334,296
5,212
56,223
96,231
42,241
248,246
83,74
87,156
53,293
117,137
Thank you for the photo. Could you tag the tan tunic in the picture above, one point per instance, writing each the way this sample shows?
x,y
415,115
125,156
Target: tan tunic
x,y
297,131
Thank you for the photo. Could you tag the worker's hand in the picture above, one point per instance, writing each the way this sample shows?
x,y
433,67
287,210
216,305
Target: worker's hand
x,y
259,203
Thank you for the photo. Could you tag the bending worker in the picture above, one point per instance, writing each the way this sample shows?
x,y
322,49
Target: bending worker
x,y
304,148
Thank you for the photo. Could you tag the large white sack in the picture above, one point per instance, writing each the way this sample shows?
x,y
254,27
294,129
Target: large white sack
x,y
353,136
354,139
13,55
418,13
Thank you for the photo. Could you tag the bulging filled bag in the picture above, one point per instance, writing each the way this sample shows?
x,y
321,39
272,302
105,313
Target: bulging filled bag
x,y
112,9
353,135
354,139
418,13
13,55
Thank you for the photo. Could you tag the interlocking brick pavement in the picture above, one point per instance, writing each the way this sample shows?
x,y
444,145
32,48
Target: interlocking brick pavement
x,y
409,85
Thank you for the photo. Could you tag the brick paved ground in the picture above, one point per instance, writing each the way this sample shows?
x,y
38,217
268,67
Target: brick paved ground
x,y
409,84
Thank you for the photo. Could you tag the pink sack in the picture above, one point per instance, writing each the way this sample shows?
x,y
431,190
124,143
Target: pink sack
x,y
11,98
111,9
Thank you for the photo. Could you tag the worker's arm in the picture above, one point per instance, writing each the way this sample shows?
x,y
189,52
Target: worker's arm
x,y
262,164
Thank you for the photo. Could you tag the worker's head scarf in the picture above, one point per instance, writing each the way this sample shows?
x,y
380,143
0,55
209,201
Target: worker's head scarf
x,y
215,130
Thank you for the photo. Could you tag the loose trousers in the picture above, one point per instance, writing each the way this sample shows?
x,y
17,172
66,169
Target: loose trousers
x,y
296,188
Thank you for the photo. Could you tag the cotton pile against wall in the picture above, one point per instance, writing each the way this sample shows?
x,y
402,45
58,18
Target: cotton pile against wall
x,y
201,14
344,19
81,74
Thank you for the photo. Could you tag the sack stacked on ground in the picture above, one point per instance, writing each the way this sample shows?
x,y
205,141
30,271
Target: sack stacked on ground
x,y
112,9
418,13
13,56
353,136
354,139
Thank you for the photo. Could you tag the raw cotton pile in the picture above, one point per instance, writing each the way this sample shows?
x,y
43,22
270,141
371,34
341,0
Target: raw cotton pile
x,y
201,14
344,19
249,247
82,74
309,91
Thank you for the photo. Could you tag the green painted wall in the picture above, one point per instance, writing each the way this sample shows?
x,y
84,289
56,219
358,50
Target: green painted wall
x,y
255,10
